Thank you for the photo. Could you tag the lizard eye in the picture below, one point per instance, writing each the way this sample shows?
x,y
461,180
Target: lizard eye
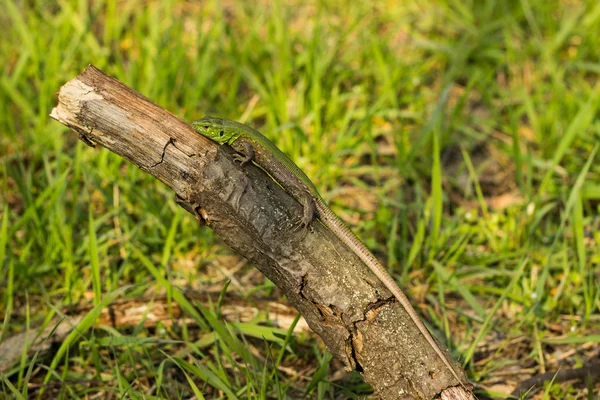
x,y
221,133
205,126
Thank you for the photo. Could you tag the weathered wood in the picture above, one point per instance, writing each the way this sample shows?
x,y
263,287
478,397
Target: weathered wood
x,y
357,318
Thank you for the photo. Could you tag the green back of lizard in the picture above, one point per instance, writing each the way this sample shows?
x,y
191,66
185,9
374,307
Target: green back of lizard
x,y
224,131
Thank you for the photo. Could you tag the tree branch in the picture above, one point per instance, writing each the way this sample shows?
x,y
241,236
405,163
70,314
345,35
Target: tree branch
x,y
357,318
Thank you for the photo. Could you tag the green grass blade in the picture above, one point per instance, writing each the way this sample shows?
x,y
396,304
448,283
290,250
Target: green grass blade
x,y
177,295
86,323
94,261
487,323
580,123
436,192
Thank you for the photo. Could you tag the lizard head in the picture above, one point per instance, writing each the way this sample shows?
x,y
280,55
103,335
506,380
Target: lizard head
x,y
214,129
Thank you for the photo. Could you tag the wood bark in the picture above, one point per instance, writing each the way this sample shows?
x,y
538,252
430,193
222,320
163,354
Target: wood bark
x,y
354,314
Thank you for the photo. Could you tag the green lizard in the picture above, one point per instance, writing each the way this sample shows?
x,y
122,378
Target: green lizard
x,y
253,146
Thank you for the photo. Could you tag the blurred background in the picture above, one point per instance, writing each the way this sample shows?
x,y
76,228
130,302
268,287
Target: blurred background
x,y
458,139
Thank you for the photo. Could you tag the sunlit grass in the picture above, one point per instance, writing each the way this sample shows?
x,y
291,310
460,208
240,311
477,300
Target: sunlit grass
x,y
457,138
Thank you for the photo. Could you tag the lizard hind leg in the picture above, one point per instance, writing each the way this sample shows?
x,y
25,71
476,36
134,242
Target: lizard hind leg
x,y
308,208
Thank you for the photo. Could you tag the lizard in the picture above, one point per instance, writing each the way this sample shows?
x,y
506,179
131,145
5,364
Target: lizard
x,y
253,146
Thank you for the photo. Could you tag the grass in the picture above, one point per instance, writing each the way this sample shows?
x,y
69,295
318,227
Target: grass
x,y
458,138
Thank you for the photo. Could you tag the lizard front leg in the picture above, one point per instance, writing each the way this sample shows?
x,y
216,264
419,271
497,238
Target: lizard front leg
x,y
247,156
